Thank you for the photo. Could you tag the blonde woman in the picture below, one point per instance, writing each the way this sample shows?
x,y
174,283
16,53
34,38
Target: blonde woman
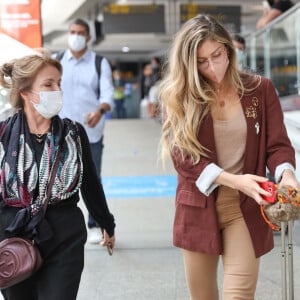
x,y
222,129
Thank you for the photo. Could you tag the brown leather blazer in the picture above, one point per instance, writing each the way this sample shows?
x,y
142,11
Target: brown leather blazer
x,y
196,225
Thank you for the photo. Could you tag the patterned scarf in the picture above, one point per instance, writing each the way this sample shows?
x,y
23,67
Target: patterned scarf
x,y
21,183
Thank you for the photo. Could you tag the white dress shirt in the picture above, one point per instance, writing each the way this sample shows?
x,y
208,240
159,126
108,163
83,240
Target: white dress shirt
x,y
80,83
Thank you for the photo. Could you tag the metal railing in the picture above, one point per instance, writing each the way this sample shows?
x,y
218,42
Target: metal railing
x,y
274,51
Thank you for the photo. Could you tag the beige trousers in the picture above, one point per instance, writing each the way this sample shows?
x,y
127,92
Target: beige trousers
x,y
240,266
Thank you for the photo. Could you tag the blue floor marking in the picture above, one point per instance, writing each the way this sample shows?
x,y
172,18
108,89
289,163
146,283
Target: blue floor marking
x,y
139,186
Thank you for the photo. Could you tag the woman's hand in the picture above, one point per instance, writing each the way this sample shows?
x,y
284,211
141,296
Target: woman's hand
x,y
108,241
247,184
93,118
289,178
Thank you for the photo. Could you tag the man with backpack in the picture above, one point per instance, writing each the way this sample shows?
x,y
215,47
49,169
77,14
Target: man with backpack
x,y
87,94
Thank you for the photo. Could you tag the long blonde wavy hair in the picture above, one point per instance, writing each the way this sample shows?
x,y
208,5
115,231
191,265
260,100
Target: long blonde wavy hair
x,y
185,95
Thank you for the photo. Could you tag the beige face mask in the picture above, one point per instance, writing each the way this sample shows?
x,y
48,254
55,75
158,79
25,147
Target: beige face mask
x,y
219,70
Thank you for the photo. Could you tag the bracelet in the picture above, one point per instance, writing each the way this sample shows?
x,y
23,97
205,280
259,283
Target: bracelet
x,y
102,111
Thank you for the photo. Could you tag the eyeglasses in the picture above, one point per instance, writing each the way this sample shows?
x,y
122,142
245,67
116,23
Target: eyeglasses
x,y
216,58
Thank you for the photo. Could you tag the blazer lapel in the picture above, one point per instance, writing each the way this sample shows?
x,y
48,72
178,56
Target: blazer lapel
x,y
252,110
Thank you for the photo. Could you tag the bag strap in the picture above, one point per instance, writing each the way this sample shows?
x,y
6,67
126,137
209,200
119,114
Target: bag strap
x,y
271,225
53,172
52,178
59,55
98,61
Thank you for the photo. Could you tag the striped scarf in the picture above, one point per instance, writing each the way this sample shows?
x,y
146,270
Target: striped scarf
x,y
22,184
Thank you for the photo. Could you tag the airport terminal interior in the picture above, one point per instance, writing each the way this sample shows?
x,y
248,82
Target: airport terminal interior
x,y
140,192
130,32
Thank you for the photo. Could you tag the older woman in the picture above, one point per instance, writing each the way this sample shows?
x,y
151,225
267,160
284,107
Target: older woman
x,y
222,128
29,143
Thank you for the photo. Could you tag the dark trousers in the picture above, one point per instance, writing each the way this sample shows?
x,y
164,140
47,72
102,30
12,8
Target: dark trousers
x,y
120,108
63,254
97,150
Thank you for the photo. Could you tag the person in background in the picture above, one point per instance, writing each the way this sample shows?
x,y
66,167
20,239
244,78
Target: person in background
x,y
156,69
30,142
222,128
87,97
146,84
239,44
272,10
119,94
146,81
153,105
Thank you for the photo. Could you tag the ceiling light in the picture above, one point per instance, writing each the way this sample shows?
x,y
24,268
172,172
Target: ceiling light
x,y
125,49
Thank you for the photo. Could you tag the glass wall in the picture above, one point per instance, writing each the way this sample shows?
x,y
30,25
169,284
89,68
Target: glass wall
x,y
274,52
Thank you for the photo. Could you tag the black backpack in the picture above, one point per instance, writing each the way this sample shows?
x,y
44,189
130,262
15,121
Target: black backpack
x,y
98,59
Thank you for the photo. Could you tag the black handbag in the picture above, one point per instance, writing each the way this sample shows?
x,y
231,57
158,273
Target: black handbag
x,y
20,258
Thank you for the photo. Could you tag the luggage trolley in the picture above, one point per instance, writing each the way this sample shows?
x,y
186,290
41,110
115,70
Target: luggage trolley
x,y
284,208
289,257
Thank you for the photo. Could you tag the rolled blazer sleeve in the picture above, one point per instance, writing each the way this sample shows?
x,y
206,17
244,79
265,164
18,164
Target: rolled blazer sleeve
x,y
186,168
205,182
202,174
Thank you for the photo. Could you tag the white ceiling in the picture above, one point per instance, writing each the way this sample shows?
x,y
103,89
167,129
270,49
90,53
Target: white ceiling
x,y
56,17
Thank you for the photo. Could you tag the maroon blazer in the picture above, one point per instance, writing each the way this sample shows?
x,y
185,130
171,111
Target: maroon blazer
x,y
267,145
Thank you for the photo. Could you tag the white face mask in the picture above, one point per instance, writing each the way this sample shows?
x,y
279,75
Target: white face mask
x,y
51,103
76,42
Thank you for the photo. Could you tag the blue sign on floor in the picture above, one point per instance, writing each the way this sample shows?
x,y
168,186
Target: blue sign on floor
x,y
139,186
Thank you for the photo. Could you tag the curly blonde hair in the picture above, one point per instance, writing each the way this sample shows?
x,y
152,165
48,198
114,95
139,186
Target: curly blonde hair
x,y
185,95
